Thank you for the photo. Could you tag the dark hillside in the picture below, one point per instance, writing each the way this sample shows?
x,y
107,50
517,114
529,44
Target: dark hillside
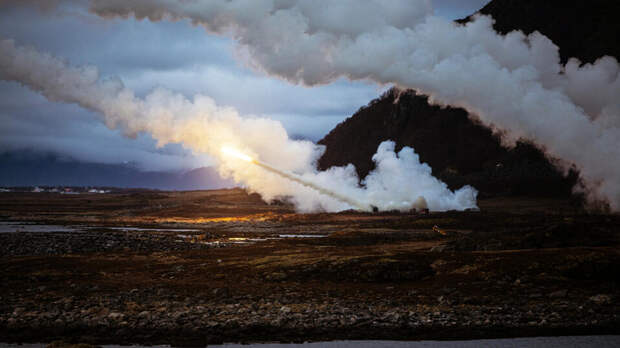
x,y
583,29
459,150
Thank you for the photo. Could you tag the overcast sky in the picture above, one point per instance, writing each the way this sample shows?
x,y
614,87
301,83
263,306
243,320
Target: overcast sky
x,y
146,55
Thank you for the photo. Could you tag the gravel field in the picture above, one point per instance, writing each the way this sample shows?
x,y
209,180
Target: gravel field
x,y
532,269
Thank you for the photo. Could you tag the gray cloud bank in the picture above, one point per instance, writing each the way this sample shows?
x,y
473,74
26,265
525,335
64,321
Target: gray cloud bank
x,y
30,169
148,55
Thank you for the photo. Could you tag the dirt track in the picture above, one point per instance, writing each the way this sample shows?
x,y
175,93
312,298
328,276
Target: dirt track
x,y
518,267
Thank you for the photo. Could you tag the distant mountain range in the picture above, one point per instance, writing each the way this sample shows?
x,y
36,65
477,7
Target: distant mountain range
x,y
459,150
49,170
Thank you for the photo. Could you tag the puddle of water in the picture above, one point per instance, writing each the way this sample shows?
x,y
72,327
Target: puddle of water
x,y
302,235
13,227
215,243
246,240
22,226
243,239
129,229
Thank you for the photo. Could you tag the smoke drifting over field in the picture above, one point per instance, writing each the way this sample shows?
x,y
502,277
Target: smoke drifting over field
x,y
513,84
202,126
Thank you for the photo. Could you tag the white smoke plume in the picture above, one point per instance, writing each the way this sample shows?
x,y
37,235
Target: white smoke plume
x,y
200,125
513,83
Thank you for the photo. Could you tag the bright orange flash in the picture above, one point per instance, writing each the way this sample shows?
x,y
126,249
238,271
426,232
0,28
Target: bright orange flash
x,y
236,153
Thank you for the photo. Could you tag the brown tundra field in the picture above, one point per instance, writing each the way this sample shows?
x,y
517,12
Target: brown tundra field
x,y
200,267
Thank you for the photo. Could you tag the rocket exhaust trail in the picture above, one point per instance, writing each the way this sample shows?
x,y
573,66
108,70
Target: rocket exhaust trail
x,y
297,179
202,126
313,186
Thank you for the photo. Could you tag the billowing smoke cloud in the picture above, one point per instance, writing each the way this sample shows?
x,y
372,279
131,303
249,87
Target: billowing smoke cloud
x,y
513,83
399,182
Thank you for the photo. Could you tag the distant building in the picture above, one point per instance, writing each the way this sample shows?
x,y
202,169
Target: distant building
x,y
37,189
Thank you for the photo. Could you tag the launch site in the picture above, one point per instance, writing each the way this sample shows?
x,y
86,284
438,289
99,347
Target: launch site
x,y
236,173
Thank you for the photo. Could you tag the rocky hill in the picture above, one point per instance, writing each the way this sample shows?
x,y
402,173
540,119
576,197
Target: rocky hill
x,y
459,150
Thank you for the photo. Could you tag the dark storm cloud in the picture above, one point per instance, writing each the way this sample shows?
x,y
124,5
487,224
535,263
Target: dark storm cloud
x,y
70,131
41,5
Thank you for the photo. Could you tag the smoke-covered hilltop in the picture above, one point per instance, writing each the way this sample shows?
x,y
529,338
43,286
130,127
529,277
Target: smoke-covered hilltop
x,y
458,148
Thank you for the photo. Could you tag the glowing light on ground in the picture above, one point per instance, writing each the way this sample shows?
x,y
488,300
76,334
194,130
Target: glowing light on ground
x,y
296,178
236,153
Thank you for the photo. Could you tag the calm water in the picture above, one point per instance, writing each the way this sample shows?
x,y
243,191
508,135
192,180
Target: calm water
x,y
20,226
552,342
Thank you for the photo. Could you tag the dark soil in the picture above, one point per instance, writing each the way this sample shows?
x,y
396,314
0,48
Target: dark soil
x,y
519,267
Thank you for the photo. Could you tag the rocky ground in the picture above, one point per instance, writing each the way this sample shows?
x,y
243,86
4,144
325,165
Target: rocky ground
x,y
221,266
